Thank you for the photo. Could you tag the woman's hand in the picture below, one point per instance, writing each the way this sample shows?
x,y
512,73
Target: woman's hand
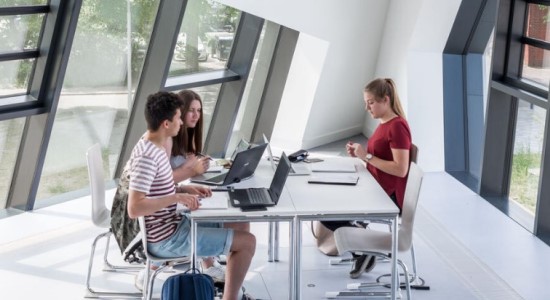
x,y
355,150
191,201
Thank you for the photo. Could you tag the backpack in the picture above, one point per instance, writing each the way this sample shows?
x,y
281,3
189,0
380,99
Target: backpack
x,y
188,286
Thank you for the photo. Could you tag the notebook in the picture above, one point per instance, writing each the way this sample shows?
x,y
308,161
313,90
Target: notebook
x,y
262,197
242,168
295,168
216,201
333,178
337,166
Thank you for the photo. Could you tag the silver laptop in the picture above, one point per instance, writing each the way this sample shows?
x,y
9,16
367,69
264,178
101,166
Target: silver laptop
x,y
263,197
295,168
243,167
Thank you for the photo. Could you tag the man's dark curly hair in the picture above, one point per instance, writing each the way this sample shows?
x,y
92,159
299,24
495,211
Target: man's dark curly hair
x,y
161,106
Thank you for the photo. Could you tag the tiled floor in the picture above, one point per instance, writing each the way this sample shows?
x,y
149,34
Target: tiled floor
x,y
465,249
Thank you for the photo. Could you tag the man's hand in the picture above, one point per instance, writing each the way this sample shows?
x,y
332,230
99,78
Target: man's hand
x,y
201,191
191,201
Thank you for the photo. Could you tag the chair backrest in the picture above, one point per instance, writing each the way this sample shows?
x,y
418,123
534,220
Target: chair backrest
x,y
413,154
100,213
410,201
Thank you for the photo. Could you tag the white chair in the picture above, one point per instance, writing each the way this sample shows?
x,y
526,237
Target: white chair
x,y
163,262
378,243
101,217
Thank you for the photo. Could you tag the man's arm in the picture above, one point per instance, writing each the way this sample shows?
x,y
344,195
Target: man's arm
x,y
139,205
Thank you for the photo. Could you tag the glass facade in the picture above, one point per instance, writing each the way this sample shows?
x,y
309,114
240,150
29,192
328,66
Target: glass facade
x,y
205,38
526,161
10,138
98,91
536,65
10,3
15,77
20,32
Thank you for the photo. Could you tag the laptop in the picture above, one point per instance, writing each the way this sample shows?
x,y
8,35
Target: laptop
x,y
295,168
242,168
263,197
241,146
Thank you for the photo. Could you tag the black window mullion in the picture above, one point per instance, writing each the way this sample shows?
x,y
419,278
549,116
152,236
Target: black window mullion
x,y
24,10
19,55
535,43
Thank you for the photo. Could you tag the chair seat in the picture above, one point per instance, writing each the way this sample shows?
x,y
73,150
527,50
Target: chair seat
x,y
356,239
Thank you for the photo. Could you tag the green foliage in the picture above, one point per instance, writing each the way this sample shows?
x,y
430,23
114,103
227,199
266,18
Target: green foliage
x,y
525,178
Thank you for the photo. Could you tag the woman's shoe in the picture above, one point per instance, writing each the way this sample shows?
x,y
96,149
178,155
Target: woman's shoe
x,y
363,263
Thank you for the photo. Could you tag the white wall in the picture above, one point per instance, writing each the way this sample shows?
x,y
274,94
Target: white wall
x,y
415,35
356,41
335,56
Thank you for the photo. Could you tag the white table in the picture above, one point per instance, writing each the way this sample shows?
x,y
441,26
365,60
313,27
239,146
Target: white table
x,y
364,201
302,201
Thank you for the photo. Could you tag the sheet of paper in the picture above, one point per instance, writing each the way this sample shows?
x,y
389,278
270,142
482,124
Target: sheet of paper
x,y
334,167
217,201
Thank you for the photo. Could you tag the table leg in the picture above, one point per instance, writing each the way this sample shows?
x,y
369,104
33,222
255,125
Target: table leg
x,y
297,228
293,260
270,243
394,271
276,243
193,242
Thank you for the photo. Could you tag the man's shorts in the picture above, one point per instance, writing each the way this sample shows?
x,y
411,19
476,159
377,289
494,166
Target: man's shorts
x,y
212,240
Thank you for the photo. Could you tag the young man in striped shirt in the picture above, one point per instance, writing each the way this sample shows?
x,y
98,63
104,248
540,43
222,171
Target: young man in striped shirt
x,y
152,194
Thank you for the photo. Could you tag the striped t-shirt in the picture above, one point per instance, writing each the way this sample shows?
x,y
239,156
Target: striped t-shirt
x,y
150,173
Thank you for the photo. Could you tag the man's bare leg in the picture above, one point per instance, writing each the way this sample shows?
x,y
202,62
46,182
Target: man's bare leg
x,y
238,262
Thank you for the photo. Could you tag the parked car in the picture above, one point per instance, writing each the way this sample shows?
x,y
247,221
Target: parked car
x,y
179,51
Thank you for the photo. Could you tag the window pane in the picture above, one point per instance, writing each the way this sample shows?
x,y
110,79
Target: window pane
x,y
248,109
15,77
10,3
536,65
526,159
10,138
538,26
205,38
97,93
21,32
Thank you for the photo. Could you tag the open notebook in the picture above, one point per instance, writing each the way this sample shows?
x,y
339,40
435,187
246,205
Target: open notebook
x,y
216,201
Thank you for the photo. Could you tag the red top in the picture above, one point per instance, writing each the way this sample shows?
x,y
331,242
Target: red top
x,y
394,134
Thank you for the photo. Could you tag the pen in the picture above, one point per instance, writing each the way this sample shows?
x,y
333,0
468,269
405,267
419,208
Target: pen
x,y
202,154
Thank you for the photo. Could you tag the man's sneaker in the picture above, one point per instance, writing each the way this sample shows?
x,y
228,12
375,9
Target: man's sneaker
x,y
216,271
139,280
363,263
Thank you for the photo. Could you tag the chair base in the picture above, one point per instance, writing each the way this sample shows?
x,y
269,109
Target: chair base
x,y
357,294
91,294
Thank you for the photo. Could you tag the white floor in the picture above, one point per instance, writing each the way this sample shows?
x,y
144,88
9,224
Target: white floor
x,y
465,249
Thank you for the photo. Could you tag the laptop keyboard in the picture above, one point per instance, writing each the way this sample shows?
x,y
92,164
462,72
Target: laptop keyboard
x,y
258,196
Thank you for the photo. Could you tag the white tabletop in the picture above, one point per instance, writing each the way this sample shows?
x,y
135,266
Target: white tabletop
x,y
318,199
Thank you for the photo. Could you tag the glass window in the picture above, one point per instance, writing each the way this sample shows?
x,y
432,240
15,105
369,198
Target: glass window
x,y
20,32
205,39
248,108
10,138
97,93
536,65
538,26
15,77
526,161
10,3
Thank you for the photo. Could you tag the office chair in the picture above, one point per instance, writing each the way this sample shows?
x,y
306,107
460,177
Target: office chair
x,y
163,262
101,217
378,243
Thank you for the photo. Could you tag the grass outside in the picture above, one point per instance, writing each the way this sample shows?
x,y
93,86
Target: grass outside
x,y
525,179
